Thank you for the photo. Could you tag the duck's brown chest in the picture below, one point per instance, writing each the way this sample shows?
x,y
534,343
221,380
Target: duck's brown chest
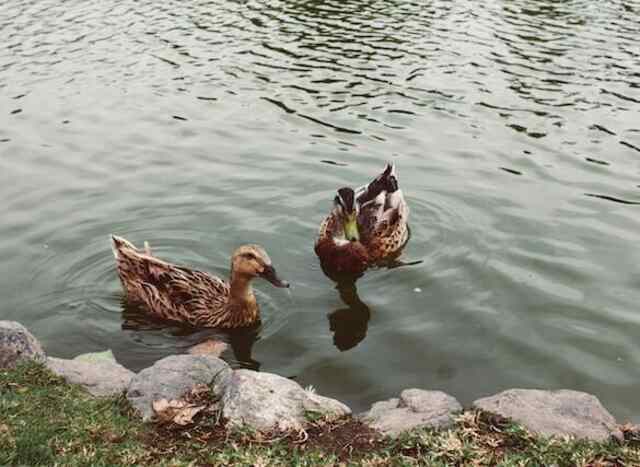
x,y
350,258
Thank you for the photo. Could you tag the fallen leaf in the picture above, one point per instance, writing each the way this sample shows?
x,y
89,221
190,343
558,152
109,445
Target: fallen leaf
x,y
166,409
630,427
185,416
176,411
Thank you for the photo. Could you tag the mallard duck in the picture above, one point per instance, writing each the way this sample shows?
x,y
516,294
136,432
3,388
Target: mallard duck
x,y
194,297
366,226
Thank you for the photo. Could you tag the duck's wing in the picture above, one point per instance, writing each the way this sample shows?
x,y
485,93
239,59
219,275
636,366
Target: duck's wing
x,y
386,182
390,232
383,209
385,213
370,216
186,295
168,291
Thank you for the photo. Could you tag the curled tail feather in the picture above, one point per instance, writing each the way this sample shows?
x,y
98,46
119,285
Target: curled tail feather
x,y
118,244
386,182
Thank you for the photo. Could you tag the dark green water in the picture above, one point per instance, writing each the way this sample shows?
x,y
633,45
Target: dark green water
x,y
515,127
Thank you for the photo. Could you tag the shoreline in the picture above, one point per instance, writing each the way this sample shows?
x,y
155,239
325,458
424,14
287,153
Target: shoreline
x,y
188,397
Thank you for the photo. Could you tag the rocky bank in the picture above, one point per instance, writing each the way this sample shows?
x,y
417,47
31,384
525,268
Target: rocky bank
x,y
265,401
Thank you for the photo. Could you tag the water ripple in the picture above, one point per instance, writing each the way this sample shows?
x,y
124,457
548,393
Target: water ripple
x,y
199,125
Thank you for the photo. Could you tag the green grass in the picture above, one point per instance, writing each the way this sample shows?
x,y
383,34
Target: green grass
x,y
44,421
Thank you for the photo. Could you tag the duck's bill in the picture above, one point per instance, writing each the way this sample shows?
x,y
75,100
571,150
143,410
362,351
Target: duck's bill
x,y
270,274
351,228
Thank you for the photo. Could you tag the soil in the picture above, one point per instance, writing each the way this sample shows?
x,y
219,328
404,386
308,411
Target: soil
x,y
346,438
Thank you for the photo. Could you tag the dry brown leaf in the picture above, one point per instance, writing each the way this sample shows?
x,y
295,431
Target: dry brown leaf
x,y
185,416
209,347
630,428
176,411
163,405
166,409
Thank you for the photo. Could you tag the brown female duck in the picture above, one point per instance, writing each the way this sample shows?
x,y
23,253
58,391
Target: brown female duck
x,y
366,227
194,297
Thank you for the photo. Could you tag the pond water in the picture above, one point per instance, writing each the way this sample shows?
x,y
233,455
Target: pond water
x,y
515,127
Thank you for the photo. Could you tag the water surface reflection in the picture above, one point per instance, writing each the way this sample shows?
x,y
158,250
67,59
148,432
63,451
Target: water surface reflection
x,y
202,125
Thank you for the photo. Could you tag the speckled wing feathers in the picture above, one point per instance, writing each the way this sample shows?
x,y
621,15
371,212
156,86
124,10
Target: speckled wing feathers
x,y
168,291
391,232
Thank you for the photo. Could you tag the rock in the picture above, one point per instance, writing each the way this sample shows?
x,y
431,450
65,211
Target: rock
x,y
17,344
554,413
100,378
265,401
106,356
171,377
415,408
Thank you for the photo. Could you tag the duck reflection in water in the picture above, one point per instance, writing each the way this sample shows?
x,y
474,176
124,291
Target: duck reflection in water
x,y
349,325
199,341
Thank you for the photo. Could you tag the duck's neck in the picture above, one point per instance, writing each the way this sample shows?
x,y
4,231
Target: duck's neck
x,y
242,301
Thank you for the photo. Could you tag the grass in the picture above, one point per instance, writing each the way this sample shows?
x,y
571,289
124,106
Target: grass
x,y
45,421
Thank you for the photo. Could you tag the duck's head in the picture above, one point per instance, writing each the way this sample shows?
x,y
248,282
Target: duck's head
x,y
252,261
347,208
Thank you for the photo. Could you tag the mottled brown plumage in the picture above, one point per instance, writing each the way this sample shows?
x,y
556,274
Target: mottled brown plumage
x,y
366,227
194,297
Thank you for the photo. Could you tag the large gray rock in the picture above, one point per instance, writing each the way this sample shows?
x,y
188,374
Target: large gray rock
x,y
415,408
554,413
172,377
100,378
265,401
17,344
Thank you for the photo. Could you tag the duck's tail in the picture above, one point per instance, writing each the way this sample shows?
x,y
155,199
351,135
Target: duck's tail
x,y
386,182
388,178
118,244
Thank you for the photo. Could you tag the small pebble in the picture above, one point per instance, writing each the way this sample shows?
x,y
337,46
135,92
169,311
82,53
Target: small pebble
x,y
417,290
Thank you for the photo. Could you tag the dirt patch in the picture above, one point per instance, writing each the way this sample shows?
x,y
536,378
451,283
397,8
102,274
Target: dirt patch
x,y
207,427
346,438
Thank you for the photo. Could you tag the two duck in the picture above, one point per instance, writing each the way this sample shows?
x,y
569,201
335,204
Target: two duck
x,y
366,227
